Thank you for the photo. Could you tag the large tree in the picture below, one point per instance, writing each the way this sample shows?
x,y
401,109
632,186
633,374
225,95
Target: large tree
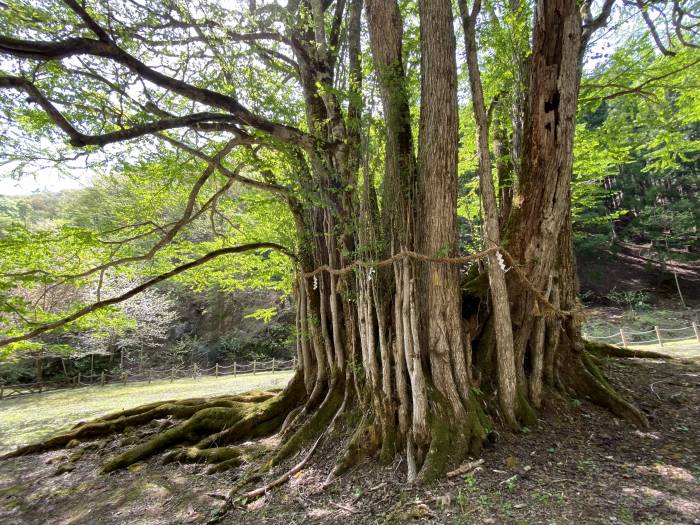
x,y
418,359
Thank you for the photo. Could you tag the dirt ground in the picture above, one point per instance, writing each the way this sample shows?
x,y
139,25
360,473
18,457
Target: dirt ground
x,y
579,465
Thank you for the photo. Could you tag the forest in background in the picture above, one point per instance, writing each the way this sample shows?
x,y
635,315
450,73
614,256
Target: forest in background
x,y
172,325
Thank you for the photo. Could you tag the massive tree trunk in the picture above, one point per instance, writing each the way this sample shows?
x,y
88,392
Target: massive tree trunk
x,y
538,235
384,348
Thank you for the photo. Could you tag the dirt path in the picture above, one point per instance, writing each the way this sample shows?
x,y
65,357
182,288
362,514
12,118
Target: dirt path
x,y
579,465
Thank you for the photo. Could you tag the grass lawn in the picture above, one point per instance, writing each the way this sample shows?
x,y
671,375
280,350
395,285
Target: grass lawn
x,y
29,418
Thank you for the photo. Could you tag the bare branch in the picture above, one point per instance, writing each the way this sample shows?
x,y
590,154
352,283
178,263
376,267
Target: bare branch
x,y
652,29
88,20
591,24
204,121
42,50
639,88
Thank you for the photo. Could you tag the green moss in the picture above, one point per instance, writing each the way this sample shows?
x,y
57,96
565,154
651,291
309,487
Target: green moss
x,y
480,425
475,404
388,450
313,427
205,421
363,441
13,491
595,371
31,418
225,465
445,439
526,414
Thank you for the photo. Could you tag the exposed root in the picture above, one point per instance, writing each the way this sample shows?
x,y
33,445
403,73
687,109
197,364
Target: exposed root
x,y
204,422
446,441
196,455
526,414
313,425
602,393
97,428
224,465
363,443
212,427
261,491
119,421
607,350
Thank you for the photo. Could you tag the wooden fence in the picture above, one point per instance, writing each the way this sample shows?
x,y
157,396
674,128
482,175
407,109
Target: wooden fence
x,y
171,374
656,337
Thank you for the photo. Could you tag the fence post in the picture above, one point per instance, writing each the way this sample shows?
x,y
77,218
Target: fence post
x,y
273,365
216,369
172,374
697,332
294,362
234,369
658,335
149,376
102,378
2,390
623,337
194,371
254,366
124,378
77,384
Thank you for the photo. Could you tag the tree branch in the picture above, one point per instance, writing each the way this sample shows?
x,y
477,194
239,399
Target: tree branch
x,y
203,121
639,88
48,51
267,186
169,234
138,289
592,24
88,20
652,29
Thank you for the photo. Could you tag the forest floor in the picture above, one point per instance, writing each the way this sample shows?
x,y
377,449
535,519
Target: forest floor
x,y
29,418
578,465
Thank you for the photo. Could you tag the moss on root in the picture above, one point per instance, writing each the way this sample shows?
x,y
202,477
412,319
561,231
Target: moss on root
x,y
583,377
125,420
313,426
250,415
607,350
445,440
526,414
206,421
197,455
363,443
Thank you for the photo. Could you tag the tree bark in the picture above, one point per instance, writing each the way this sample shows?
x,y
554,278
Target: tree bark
x,y
388,343
505,355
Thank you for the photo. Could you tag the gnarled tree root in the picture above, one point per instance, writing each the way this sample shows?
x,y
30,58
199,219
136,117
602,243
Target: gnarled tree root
x,y
197,455
216,426
119,421
582,377
206,423
607,350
